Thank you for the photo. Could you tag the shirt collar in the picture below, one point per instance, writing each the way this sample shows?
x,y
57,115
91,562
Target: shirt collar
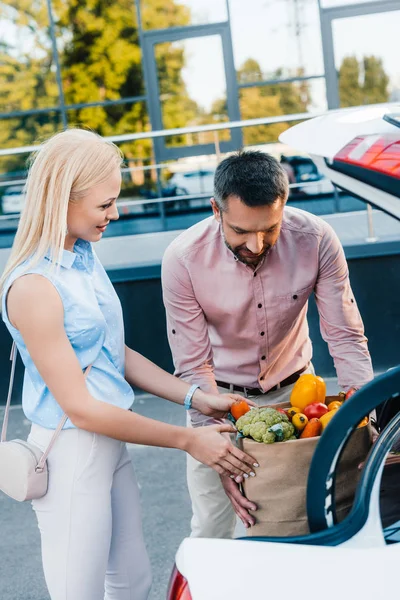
x,y
81,258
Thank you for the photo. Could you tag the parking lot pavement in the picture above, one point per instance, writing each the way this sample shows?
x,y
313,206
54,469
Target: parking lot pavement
x,y
166,511
165,508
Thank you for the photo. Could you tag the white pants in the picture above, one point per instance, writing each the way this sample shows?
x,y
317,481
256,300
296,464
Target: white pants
x,y
213,514
90,521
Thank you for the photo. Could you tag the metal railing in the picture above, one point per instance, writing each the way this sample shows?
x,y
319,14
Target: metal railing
x,y
215,128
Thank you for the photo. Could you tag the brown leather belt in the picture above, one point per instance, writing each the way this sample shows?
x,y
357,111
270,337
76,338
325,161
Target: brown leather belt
x,y
256,391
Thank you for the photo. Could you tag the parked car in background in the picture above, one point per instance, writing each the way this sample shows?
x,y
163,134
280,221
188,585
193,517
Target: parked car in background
x,y
13,199
301,169
200,181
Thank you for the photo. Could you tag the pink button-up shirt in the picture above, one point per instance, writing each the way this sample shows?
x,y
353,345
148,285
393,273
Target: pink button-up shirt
x,y
230,323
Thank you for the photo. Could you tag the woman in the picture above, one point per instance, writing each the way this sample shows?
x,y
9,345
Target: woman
x,y
64,316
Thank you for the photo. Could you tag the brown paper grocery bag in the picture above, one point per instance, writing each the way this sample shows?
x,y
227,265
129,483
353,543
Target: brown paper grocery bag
x,y
279,488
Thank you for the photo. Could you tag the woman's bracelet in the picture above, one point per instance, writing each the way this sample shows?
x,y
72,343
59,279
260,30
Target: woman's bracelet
x,y
187,403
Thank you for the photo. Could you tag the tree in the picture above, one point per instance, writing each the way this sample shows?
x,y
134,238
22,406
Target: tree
x,y
250,72
376,81
364,82
269,101
27,79
100,59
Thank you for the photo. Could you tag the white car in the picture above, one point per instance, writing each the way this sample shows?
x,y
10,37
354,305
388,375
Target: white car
x,y
359,150
190,183
13,200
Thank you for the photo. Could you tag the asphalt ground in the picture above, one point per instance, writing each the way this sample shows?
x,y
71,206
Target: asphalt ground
x,y
165,508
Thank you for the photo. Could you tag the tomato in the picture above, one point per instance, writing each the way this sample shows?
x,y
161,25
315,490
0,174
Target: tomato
x,y
299,421
239,408
334,405
315,410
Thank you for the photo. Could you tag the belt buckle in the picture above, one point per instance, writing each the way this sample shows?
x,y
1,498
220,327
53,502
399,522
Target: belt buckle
x,y
245,391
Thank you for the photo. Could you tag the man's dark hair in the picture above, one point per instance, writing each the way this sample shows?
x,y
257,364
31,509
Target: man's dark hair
x,y
257,178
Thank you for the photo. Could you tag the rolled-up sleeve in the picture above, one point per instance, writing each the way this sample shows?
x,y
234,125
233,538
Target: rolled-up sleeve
x,y
340,320
186,324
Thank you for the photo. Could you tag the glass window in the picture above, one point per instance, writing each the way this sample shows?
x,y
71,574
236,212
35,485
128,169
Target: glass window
x,y
282,36
192,85
279,99
331,3
364,58
116,119
27,79
181,13
25,131
99,50
13,170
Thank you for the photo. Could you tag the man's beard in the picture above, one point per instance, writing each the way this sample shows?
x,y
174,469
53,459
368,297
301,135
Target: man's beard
x,y
253,260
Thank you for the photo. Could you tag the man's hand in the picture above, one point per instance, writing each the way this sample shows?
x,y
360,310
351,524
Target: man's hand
x,y
240,504
216,405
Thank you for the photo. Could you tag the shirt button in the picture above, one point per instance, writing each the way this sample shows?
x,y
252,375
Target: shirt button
x,y
262,377
254,274
262,333
295,297
260,305
263,357
173,331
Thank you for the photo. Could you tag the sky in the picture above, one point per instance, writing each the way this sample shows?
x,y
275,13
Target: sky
x,y
265,30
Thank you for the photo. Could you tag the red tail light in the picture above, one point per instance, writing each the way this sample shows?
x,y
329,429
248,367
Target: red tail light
x,y
372,159
379,153
178,588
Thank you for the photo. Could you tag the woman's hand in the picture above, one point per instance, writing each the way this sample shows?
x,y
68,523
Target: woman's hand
x,y
207,445
216,405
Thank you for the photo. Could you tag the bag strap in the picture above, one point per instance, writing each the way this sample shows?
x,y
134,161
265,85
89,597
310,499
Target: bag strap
x,y
13,358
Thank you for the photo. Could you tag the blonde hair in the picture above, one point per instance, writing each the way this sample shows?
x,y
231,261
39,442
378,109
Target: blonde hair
x,y
61,171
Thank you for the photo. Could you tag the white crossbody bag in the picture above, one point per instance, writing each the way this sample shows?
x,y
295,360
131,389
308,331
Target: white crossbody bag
x,y
23,466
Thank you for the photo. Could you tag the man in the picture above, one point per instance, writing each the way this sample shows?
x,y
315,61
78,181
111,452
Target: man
x,y
236,288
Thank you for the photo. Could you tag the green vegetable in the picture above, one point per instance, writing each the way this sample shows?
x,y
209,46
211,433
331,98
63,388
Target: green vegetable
x,y
277,430
288,430
257,430
269,438
265,425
